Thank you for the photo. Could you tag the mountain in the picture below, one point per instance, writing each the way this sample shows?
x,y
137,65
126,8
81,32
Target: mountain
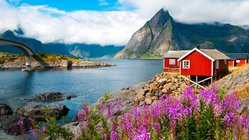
x,y
162,33
72,50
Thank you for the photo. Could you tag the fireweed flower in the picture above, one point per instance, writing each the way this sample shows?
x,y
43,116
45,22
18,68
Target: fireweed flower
x,y
136,112
20,123
230,103
229,119
104,136
142,134
101,107
80,116
85,110
189,99
209,97
217,110
244,122
120,104
157,127
114,135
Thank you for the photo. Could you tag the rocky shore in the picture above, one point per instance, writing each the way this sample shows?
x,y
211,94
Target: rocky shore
x,y
32,113
60,64
12,62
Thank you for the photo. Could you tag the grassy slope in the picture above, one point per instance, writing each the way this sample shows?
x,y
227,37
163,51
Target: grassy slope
x,y
237,81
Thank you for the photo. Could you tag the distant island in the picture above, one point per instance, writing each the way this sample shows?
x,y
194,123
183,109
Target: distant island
x,y
46,61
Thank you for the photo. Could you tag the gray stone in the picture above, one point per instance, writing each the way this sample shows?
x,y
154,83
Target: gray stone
x,y
5,109
37,111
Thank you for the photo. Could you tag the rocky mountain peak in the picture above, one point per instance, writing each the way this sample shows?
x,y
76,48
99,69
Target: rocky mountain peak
x,y
160,19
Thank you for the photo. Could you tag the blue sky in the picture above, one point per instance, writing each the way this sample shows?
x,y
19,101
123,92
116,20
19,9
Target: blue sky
x,y
73,5
109,22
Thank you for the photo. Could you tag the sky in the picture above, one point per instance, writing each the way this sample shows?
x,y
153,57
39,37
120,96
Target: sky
x,y
109,22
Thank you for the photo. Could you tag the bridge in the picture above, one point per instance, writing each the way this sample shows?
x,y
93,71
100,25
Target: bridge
x,y
26,50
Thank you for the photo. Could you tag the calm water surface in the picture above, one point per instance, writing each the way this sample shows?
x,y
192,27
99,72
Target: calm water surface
x,y
88,84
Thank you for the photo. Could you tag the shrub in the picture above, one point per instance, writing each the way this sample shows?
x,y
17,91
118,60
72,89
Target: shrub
x,y
203,116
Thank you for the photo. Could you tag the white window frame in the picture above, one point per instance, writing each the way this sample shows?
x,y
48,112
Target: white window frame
x,y
184,66
217,64
172,61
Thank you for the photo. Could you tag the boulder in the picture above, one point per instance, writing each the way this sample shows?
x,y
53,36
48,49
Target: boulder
x,y
148,101
49,97
8,124
38,112
5,109
162,81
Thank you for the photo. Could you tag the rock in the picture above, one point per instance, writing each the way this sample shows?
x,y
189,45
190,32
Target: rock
x,y
37,111
148,101
162,81
49,97
9,125
69,97
140,93
154,98
167,86
5,109
150,94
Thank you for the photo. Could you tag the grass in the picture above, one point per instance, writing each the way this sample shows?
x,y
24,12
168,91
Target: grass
x,y
243,91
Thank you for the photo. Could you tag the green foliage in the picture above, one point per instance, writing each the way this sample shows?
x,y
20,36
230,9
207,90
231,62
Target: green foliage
x,y
221,93
51,130
41,55
106,96
129,52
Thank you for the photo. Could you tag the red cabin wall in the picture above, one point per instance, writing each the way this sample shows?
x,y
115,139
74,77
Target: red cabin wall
x,y
199,65
170,68
231,63
223,68
241,63
166,62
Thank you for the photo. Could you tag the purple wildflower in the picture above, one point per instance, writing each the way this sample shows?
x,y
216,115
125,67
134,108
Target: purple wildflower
x,y
142,134
189,99
157,127
230,103
209,97
20,123
217,110
120,104
101,107
104,136
114,135
80,116
229,119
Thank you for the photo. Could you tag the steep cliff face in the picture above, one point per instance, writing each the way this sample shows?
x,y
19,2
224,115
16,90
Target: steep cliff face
x,y
154,38
162,33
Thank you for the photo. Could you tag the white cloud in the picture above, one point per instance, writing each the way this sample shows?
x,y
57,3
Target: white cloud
x,y
196,11
114,27
53,25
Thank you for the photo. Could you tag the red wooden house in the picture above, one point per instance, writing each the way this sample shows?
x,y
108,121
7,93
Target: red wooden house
x,y
203,64
238,59
170,63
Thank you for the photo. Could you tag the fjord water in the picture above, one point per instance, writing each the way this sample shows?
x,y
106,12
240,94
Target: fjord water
x,y
87,84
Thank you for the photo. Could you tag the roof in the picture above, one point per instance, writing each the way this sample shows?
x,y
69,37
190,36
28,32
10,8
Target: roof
x,y
211,54
215,54
175,54
238,55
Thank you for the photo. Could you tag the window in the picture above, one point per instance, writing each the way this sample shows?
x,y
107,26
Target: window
x,y
172,61
225,62
186,64
237,61
217,64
